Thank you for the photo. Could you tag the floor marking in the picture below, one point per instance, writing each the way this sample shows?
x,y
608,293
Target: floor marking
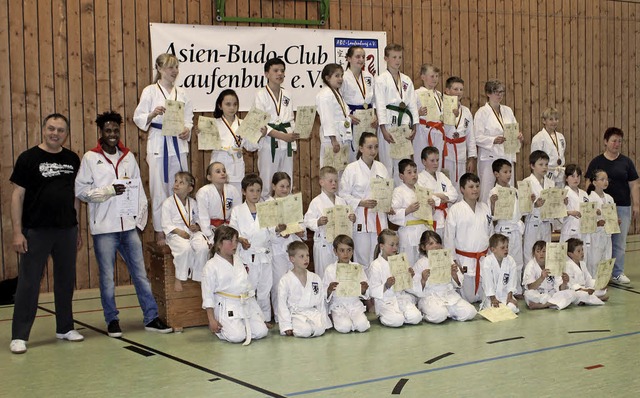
x,y
214,379
90,298
594,367
177,359
460,365
399,386
439,357
625,288
590,331
508,339
140,351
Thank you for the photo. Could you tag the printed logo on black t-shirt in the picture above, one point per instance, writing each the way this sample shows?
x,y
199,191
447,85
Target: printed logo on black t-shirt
x,y
55,169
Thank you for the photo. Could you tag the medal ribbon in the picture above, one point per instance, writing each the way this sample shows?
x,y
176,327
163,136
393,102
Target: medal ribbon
x,y
186,221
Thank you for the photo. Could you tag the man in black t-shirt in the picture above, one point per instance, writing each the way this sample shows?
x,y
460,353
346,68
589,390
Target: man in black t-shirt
x,y
44,216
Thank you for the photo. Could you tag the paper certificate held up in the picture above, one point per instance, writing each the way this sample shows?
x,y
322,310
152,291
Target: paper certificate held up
x,y
287,210
425,211
338,222
250,127
505,205
428,100
603,274
127,203
524,197
366,117
440,264
402,147
553,206
173,118
348,277
338,160
556,258
382,192
610,215
399,267
305,118
512,143
588,217
449,104
209,135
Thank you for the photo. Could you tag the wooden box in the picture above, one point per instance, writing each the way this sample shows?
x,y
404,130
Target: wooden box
x,y
177,309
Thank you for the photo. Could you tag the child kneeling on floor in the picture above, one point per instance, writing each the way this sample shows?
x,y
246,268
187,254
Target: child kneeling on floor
x,y
580,280
542,290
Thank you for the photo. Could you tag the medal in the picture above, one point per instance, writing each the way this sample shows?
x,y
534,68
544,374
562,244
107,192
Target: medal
x,y
346,124
559,162
239,155
365,105
456,135
403,105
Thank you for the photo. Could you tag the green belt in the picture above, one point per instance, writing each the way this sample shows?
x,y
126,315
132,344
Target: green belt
x,y
401,113
282,127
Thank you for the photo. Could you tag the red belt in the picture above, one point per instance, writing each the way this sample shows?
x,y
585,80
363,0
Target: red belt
x,y
477,256
216,222
443,206
366,221
433,125
445,152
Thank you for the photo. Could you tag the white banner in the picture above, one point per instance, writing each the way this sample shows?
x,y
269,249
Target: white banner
x,y
214,58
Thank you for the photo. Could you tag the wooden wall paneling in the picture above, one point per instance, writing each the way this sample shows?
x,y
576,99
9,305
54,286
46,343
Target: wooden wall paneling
x,y
514,69
417,40
491,38
193,11
436,37
461,35
474,86
500,24
344,8
355,12
45,48
410,55
634,115
534,65
180,11
610,72
528,119
566,72
621,65
571,74
427,51
208,12
366,16
60,56
483,52
446,51
585,70
129,80
32,72
167,10
593,76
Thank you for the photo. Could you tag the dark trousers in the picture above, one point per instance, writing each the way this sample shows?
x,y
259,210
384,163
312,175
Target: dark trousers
x,y
60,243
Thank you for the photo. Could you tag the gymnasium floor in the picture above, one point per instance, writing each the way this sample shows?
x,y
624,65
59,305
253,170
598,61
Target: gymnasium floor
x,y
579,351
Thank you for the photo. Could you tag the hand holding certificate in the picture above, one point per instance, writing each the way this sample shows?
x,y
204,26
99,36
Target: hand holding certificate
x,y
250,127
348,277
399,267
338,222
173,118
553,206
556,258
588,217
127,203
603,274
449,104
338,160
610,215
381,191
440,264
505,205
402,147
524,197
305,118
208,136
425,211
287,210
511,143
428,100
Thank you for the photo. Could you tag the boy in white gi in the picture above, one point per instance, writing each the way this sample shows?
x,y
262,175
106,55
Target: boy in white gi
x,y
348,313
255,250
437,302
541,289
216,200
276,150
189,246
467,232
227,294
601,246
315,220
498,275
430,129
393,308
301,302
444,193
580,280
553,144
395,101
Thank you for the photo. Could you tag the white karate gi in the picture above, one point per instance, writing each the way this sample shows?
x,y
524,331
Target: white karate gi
x,y
487,127
461,148
393,308
355,186
432,135
437,302
230,154
302,308
188,254
498,280
439,184
410,229
542,141
388,93
468,231
334,122
350,91
281,161
212,208
348,313
221,281
600,248
580,278
258,257
571,224
548,291
160,188
535,228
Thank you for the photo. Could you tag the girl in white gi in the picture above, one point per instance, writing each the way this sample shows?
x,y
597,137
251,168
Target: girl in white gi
x,y
393,308
165,155
355,189
575,196
281,185
316,220
514,227
498,275
428,133
541,289
189,247
553,144
535,228
405,203
230,153
227,294
580,280
216,200
488,125
255,250
444,193
301,303
335,123
437,302
600,248
348,313
467,232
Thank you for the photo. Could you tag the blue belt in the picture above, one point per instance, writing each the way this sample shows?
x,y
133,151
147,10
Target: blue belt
x,y
353,108
165,159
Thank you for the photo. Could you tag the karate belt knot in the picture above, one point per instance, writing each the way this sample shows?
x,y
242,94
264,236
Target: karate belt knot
x,y
165,152
281,127
477,256
401,113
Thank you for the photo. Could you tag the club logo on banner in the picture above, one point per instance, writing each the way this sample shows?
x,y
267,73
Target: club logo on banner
x,y
215,58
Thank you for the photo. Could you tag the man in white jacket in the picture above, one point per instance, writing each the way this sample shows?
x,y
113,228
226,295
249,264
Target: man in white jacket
x,y
106,171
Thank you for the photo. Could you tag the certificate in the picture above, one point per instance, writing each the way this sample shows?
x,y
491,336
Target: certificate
x,y
440,264
348,277
290,209
338,222
208,136
338,160
610,215
366,117
402,147
268,215
173,118
305,118
449,104
556,258
399,267
524,197
127,203
382,192
424,212
250,127
428,100
502,313
505,205
511,133
603,274
553,206
588,217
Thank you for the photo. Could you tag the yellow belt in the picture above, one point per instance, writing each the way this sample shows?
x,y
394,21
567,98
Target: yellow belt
x,y
419,222
234,296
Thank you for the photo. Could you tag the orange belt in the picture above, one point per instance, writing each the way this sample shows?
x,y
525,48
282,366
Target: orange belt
x,y
445,152
366,221
442,206
434,125
477,256
216,222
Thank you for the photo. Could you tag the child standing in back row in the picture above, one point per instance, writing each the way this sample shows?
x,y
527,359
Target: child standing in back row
x,y
601,247
428,133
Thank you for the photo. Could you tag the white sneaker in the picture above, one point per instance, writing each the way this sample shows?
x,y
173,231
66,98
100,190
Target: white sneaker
x,y
71,335
622,279
18,346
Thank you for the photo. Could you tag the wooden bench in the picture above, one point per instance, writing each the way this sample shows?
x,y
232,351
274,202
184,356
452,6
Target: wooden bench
x,y
178,309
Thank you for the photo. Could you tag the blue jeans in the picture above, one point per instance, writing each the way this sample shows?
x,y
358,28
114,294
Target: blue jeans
x,y
128,244
619,241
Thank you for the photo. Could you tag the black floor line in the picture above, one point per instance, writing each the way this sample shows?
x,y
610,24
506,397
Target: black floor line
x,y
399,386
501,340
590,331
179,360
626,289
139,350
439,357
